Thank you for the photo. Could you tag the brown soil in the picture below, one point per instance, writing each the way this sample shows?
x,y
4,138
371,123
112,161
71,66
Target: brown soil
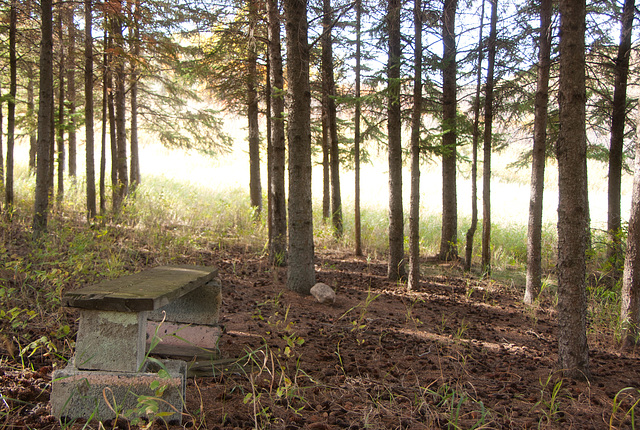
x,y
457,353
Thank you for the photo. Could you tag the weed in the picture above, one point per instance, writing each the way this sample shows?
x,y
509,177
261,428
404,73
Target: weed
x,y
625,401
550,396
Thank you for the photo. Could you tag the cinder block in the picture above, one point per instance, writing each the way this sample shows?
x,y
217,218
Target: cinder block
x,y
98,395
200,306
111,341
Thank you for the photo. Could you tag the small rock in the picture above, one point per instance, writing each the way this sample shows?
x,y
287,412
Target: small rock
x,y
323,293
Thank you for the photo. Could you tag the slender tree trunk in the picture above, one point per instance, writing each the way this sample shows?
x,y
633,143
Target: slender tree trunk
x,y
326,167
135,42
45,120
630,295
573,352
11,106
618,117
301,275
252,113
61,118
488,138
31,112
71,89
106,119
329,107
113,140
396,269
88,111
278,202
534,238
356,138
2,172
449,239
416,122
122,188
474,157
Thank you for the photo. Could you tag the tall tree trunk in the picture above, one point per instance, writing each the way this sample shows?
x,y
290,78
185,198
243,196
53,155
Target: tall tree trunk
x,y
396,269
573,352
416,120
474,156
31,112
534,237
488,139
252,112
120,155
618,117
61,100
135,42
88,111
278,202
329,107
301,274
45,120
2,182
449,238
11,109
356,138
630,295
122,186
107,116
326,168
71,89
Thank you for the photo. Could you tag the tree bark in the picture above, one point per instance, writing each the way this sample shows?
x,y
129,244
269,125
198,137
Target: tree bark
x,y
356,138
88,111
71,89
534,236
11,106
449,238
277,201
396,269
122,184
301,273
45,120
573,353
255,188
31,112
112,115
488,138
416,117
474,151
329,106
135,42
630,295
61,99
326,167
106,120
618,119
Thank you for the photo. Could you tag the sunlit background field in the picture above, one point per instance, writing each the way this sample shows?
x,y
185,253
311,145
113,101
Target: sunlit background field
x,y
189,188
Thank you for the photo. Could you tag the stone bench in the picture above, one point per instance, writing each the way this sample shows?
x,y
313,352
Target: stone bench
x,y
169,310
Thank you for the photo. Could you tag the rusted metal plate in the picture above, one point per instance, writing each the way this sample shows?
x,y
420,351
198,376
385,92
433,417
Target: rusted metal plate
x,y
144,291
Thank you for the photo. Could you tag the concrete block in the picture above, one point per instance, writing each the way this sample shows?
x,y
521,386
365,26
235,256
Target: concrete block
x,y
200,306
111,341
182,340
97,395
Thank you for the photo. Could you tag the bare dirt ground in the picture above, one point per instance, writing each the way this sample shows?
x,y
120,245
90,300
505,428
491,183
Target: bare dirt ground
x,y
457,353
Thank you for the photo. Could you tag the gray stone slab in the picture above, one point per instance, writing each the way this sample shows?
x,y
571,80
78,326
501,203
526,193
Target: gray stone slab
x,y
200,306
143,291
96,395
111,341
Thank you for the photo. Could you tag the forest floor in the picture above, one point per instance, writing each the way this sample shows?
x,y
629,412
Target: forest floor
x,y
459,352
